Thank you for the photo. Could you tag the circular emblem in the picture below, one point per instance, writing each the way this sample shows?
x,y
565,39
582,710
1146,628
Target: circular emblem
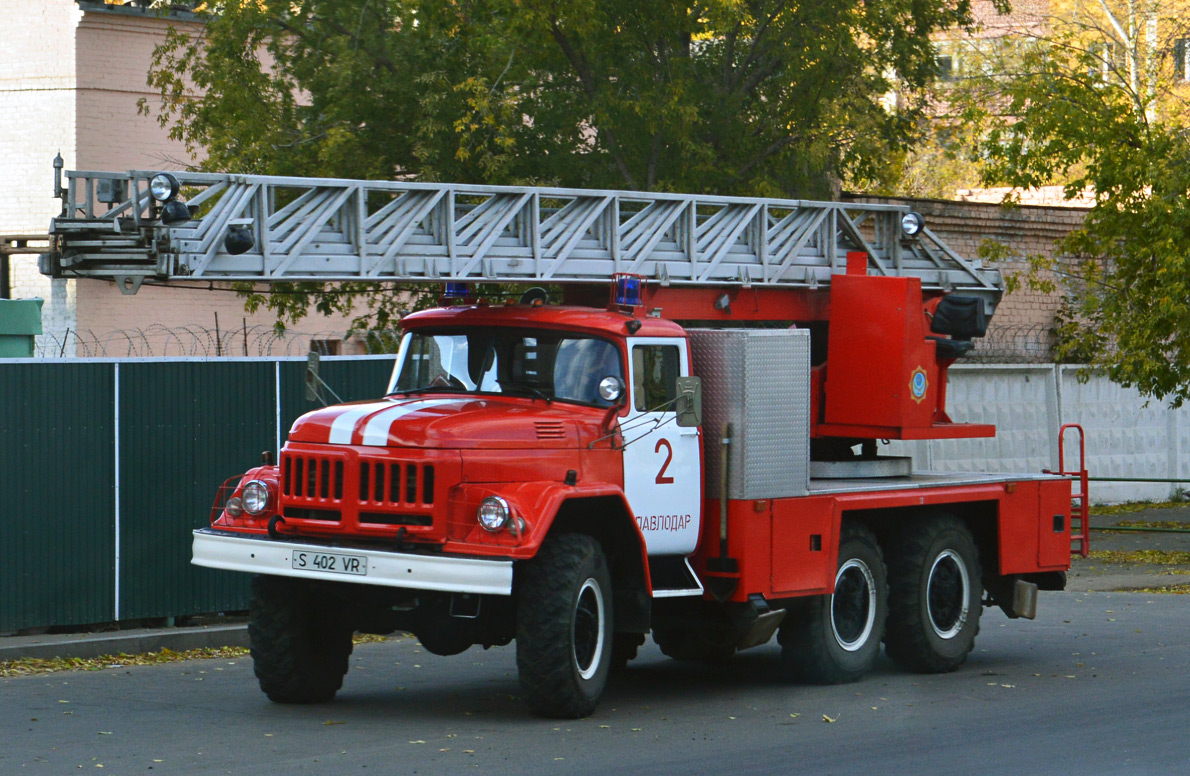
x,y
918,384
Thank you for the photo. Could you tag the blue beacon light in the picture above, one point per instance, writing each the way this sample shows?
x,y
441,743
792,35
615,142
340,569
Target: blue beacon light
x,y
628,290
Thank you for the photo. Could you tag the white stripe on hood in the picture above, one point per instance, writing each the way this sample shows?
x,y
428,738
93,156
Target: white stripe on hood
x,y
344,425
377,429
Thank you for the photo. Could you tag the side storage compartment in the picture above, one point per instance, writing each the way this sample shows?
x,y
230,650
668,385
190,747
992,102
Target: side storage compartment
x,y
758,380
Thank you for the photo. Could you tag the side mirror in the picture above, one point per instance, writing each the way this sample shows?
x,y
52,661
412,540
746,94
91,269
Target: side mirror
x,y
312,378
314,383
611,389
689,403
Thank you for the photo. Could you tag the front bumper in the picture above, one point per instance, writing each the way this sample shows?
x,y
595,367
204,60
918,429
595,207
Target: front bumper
x,y
261,555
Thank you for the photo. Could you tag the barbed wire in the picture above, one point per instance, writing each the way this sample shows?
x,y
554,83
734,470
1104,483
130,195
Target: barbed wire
x,y
1030,343
157,341
1016,344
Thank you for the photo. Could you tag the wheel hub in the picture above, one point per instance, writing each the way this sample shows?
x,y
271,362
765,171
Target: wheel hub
x,y
948,592
588,628
853,605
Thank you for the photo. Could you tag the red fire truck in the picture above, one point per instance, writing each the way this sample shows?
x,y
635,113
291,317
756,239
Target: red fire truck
x,y
686,446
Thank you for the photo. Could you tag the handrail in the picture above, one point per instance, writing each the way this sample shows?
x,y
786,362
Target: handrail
x,y
1080,507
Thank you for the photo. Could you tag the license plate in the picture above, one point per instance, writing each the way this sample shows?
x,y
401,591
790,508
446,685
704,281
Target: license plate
x,y
330,562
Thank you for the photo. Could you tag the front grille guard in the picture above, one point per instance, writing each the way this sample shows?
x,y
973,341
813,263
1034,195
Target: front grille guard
x,y
223,495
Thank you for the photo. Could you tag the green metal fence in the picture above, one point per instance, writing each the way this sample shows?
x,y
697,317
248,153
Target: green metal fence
x,y
107,465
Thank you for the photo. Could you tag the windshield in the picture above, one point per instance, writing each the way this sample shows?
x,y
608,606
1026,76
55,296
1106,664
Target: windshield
x,y
531,362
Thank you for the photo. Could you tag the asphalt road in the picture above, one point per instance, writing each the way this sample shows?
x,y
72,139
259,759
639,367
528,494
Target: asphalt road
x,y
1099,684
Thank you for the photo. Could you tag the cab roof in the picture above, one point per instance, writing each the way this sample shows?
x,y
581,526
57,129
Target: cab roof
x,y
608,323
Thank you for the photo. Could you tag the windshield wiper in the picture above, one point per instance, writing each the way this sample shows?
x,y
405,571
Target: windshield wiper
x,y
428,389
532,390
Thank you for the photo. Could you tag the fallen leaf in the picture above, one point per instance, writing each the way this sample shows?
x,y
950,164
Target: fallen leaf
x,y
333,722
828,719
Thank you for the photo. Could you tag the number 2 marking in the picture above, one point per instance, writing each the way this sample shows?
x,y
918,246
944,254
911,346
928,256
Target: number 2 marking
x,y
669,456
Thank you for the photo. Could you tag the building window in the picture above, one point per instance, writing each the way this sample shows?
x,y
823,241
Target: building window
x,y
945,67
1181,59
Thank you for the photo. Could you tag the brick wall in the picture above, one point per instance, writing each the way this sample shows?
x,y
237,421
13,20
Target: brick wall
x,y
1025,229
171,320
37,121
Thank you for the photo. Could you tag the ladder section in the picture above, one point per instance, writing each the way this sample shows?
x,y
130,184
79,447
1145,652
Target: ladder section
x,y
330,229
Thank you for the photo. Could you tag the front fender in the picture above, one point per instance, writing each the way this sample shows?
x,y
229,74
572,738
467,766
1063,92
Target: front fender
x,y
587,507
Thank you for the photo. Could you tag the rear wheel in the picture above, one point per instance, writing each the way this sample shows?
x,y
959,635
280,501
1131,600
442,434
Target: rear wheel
x,y
934,604
564,626
835,638
299,644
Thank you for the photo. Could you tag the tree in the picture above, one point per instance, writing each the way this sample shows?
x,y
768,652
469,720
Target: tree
x,y
759,97
1097,102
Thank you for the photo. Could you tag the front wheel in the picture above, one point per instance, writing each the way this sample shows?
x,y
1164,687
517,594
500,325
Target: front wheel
x,y
833,639
299,643
564,627
934,605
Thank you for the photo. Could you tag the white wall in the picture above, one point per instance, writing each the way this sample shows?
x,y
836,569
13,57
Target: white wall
x,y
37,121
1028,404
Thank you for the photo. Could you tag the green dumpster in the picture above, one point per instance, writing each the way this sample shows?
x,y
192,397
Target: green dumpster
x,y
20,321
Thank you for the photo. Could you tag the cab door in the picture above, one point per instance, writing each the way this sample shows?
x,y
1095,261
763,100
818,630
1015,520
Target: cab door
x,y
662,464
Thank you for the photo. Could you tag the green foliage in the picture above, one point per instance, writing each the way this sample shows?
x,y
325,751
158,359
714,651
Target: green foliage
x,y
749,97
935,166
1056,118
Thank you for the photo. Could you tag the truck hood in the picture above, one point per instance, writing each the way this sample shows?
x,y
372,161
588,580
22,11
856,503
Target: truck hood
x,y
444,421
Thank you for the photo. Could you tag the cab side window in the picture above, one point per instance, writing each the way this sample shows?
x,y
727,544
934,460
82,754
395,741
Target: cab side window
x,y
655,370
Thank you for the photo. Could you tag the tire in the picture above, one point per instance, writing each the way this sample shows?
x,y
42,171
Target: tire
x,y
624,649
934,603
564,627
299,646
834,639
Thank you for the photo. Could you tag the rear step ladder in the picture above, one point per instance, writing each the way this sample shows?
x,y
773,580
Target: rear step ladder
x,y
1080,507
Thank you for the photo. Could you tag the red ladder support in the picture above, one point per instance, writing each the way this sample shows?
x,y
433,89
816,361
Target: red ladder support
x,y
1080,507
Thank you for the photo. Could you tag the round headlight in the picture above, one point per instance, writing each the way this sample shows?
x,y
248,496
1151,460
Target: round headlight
x,y
912,224
235,507
255,497
493,513
163,187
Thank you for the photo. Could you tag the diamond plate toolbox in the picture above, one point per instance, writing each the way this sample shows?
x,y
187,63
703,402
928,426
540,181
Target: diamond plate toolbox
x,y
759,381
